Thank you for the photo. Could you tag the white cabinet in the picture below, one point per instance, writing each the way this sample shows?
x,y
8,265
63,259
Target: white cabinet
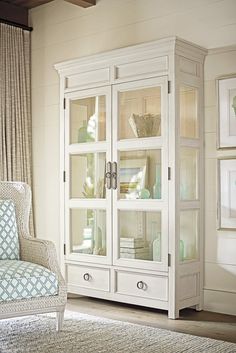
x,y
132,166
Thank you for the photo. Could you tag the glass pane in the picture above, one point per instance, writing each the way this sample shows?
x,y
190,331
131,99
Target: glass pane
x,y
140,174
189,170
189,234
88,119
88,231
188,112
140,235
87,175
140,113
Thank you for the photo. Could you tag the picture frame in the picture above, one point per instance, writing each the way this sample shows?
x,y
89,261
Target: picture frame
x,y
227,112
133,176
227,193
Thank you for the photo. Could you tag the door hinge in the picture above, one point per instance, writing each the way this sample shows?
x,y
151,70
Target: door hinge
x,y
169,173
64,249
169,260
64,176
169,86
64,104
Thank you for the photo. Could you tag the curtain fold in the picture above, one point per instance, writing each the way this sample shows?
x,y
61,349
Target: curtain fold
x,y
15,108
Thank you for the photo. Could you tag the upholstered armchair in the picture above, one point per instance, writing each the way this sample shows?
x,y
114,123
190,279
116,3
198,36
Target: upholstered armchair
x,y
30,278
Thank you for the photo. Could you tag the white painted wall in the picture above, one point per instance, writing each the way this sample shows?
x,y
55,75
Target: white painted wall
x,y
64,31
220,246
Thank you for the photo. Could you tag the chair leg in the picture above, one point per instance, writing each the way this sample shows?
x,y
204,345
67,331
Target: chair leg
x,y
60,319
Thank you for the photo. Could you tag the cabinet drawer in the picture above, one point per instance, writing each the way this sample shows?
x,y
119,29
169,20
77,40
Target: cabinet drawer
x,y
151,66
89,277
93,77
142,285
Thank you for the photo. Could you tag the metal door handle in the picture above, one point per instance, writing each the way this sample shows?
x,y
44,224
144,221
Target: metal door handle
x,y
114,176
108,175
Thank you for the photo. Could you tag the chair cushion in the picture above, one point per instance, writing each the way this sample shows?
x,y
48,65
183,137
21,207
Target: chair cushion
x,y
9,242
21,280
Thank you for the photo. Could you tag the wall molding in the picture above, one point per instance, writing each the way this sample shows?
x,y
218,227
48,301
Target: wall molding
x,y
220,301
221,50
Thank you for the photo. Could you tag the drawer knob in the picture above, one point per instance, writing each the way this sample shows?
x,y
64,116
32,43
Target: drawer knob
x,y
86,276
141,285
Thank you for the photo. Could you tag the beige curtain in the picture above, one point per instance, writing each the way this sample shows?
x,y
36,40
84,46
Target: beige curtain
x,y
15,114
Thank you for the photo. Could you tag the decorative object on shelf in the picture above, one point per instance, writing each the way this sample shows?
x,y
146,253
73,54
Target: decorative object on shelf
x,y
101,191
157,185
144,194
234,105
146,125
87,245
227,193
134,248
133,174
83,134
88,190
156,249
99,248
227,112
155,244
181,250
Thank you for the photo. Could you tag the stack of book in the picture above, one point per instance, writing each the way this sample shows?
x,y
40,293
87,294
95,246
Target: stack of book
x,y
134,248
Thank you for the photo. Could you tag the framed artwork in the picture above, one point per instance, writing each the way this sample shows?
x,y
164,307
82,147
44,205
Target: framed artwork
x,y
133,175
227,113
227,193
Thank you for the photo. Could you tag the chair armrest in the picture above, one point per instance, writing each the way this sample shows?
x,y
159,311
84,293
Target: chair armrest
x,y
41,252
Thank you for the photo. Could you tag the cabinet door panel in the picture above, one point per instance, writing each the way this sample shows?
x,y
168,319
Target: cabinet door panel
x,y
87,200
140,148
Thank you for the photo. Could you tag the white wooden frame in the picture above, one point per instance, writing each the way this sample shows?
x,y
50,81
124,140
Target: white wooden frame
x,y
227,193
226,88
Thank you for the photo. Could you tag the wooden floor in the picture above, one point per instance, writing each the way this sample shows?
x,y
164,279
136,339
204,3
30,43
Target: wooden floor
x,y
206,324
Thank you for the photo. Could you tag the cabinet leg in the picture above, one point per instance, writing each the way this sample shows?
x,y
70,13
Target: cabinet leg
x,y
198,307
173,314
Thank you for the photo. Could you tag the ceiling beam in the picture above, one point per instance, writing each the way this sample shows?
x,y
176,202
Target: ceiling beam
x,y
13,13
83,3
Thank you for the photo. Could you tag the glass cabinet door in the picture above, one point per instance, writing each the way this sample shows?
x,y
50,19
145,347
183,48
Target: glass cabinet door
x,y
189,174
88,201
140,204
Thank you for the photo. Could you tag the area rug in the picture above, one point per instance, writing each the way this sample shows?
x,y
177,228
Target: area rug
x,y
88,334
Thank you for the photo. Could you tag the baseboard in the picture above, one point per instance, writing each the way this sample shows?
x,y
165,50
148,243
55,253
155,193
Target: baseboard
x,y
220,302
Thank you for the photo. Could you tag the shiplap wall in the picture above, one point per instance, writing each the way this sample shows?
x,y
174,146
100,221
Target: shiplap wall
x,y
64,31
220,246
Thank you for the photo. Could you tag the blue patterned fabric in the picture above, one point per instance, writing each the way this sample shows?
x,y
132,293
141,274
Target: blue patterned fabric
x,y
9,242
21,280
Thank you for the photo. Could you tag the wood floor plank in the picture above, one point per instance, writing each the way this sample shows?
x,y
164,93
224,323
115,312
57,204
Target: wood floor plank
x,y
205,324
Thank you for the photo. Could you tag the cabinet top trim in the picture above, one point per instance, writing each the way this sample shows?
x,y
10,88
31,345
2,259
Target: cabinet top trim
x,y
163,46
